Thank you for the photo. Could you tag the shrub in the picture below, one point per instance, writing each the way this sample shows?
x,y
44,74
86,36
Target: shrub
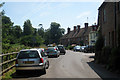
x,y
70,47
114,59
98,47
106,51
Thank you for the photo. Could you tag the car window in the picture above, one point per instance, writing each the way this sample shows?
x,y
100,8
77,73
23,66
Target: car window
x,y
60,47
77,46
49,50
42,54
28,54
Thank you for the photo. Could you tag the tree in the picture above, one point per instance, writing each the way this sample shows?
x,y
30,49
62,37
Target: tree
x,y
17,31
28,29
3,12
54,33
6,28
30,40
2,4
47,36
41,32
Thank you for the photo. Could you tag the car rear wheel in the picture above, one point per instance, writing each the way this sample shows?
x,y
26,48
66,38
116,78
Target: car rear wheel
x,y
18,72
47,65
44,71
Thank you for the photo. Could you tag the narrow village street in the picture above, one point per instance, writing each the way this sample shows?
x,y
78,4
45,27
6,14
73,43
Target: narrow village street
x,y
72,65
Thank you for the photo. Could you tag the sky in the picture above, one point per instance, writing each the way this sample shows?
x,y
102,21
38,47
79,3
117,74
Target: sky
x,y
67,14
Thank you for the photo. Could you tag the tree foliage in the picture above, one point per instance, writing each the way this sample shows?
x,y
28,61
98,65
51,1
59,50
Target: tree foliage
x,y
54,33
29,36
28,29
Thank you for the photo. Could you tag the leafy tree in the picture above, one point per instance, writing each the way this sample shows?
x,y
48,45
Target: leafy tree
x,y
2,12
6,28
2,4
62,31
28,29
55,32
30,40
41,32
17,31
35,32
47,36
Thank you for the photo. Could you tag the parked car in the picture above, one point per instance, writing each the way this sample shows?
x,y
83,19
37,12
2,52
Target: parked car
x,y
89,49
76,48
52,51
82,48
61,49
32,59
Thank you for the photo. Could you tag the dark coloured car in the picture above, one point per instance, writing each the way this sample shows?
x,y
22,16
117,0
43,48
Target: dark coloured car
x,y
52,51
61,49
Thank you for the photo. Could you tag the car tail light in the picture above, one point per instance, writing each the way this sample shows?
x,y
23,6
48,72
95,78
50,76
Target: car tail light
x,y
41,60
55,48
16,62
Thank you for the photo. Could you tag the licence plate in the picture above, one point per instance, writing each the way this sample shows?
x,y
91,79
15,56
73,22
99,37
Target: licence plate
x,y
28,62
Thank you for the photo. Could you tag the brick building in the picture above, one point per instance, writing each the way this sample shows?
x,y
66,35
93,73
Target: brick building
x,y
109,22
93,35
79,36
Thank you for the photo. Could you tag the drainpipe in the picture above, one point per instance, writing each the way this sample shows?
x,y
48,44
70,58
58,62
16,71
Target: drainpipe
x,y
115,24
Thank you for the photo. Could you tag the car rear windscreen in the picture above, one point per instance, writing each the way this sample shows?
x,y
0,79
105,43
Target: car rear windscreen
x,y
28,54
49,50
60,47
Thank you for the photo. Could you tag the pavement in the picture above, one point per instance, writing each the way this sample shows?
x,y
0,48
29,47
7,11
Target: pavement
x,y
73,65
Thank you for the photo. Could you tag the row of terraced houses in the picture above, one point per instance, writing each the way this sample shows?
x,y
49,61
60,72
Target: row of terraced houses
x,y
80,36
108,22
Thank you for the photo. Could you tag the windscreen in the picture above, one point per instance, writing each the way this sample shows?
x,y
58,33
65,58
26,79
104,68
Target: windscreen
x,y
50,50
28,54
77,46
60,47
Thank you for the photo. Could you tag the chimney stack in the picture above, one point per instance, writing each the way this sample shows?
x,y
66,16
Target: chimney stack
x,y
78,26
74,28
68,30
86,25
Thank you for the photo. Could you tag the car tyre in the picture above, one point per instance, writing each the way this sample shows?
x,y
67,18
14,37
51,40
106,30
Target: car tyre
x,y
18,72
47,65
44,71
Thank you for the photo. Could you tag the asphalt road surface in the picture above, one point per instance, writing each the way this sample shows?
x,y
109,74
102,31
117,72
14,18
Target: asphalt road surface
x,y
71,65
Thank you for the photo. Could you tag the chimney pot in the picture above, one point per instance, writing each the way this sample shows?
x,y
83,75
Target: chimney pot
x,y
74,28
86,25
68,30
78,26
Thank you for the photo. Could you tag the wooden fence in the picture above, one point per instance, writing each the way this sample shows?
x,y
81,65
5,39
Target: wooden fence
x,y
8,61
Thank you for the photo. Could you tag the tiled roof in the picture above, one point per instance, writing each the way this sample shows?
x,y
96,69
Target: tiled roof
x,y
87,31
75,34
70,34
79,33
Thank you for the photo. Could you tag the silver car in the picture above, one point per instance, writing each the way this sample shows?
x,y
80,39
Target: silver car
x,y
32,59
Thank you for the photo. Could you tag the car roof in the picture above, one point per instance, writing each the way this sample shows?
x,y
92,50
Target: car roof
x,y
51,47
31,49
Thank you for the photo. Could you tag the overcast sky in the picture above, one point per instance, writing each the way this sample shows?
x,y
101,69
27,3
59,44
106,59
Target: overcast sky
x,y
67,14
